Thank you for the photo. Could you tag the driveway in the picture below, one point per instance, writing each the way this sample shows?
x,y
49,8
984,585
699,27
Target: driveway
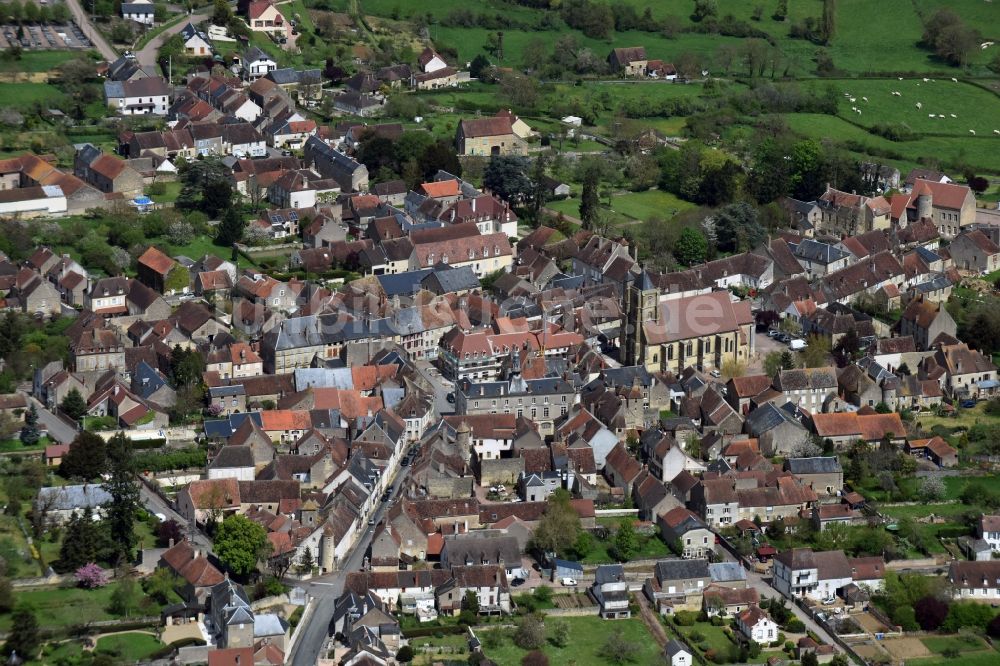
x,y
92,33
147,54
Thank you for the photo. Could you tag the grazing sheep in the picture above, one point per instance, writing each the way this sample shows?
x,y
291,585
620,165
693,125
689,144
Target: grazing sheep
x,y
972,132
926,79
859,111
853,100
901,78
930,115
953,115
954,79
940,115
920,105
865,98
996,131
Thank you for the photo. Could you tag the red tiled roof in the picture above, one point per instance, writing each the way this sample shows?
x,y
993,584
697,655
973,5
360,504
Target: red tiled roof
x,y
156,260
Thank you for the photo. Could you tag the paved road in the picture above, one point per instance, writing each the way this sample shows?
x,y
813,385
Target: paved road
x,y
92,33
763,587
314,640
147,54
155,504
58,429
442,387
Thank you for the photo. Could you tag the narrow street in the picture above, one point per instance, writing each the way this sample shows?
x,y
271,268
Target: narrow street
x,y
58,429
326,589
92,33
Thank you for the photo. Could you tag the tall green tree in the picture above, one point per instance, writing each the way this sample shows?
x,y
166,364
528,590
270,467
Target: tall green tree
x,y
560,524
590,199
539,191
737,228
73,405
231,228
626,541
240,544
123,487
86,458
30,434
23,639
507,177
691,247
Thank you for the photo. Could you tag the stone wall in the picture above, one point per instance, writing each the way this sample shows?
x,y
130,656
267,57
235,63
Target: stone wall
x,y
502,470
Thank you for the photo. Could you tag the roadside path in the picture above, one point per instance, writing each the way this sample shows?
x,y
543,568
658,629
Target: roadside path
x,y
90,31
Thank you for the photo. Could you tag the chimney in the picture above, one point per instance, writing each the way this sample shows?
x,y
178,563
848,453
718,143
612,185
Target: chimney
x,y
473,205
170,543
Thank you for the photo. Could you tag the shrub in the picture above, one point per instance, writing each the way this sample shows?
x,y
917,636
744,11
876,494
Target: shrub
x,y
685,618
91,576
405,654
717,621
696,636
795,626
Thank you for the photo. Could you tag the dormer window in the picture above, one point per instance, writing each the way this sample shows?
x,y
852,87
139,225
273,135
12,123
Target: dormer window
x,y
496,250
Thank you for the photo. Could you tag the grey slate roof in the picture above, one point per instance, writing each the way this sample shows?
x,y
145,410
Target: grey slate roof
x,y
609,573
817,465
679,569
450,280
722,572
767,417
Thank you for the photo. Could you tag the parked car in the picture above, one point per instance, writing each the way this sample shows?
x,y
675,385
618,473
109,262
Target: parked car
x,y
715,373
568,582
967,404
829,601
450,398
517,582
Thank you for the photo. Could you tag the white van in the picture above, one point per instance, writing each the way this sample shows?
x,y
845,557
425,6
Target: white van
x,y
797,344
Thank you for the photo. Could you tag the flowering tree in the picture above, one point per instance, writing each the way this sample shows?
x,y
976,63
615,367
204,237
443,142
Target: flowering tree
x,y
91,576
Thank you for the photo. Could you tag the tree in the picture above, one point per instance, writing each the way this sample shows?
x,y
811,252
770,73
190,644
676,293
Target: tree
x,y
704,9
539,189
470,602
23,638
829,23
967,614
530,632
86,458
221,13
161,584
91,576
306,562
507,177
126,597
691,247
993,628
84,541
950,38
73,405
479,64
240,544
535,658
230,229
930,613
773,363
590,199
817,353
737,228
186,366
559,527
405,654
30,434
560,633
626,541
931,489
121,485
619,650
438,156
809,659
978,184
169,531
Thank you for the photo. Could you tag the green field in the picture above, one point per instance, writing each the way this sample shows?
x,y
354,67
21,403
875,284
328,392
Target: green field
x,y
975,109
969,643
129,647
25,95
861,44
38,61
979,151
714,637
588,635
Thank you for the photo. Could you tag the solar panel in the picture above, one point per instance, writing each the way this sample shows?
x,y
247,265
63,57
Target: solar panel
x,y
293,216
275,219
